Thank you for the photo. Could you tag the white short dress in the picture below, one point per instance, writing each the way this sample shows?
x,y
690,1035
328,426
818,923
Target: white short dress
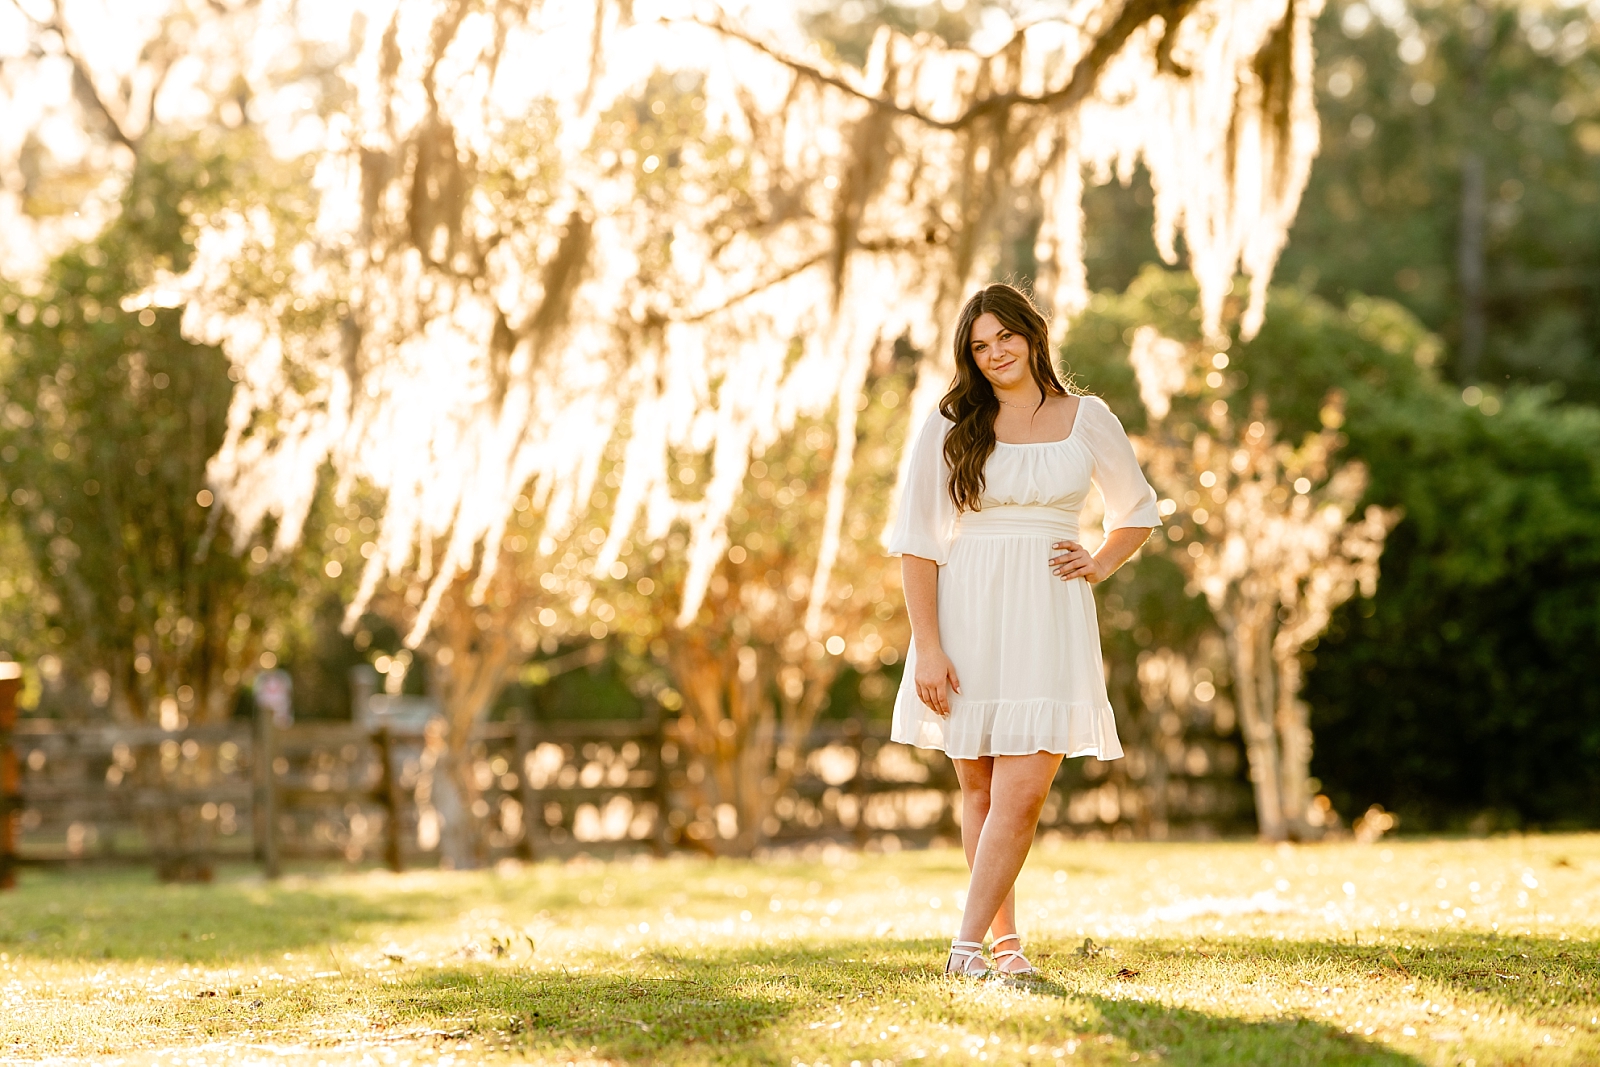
x,y
1025,644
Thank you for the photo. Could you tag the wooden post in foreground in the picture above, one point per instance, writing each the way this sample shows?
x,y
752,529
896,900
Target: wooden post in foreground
x,y
853,736
10,773
389,797
661,787
523,745
266,808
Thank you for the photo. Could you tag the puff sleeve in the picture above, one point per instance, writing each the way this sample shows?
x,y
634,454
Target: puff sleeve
x,y
925,524
1128,497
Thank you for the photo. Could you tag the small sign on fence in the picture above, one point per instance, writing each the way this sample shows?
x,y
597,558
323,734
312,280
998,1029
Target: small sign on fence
x,y
274,691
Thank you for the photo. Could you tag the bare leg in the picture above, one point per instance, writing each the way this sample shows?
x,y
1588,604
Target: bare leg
x,y
975,776
1018,786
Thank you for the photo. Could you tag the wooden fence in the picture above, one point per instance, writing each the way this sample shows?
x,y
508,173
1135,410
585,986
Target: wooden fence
x,y
187,799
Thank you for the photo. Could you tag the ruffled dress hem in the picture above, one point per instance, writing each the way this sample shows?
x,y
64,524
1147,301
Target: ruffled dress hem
x,y
1011,728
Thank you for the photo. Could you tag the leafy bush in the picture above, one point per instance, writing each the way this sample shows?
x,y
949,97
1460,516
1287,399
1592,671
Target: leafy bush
x,y
1461,693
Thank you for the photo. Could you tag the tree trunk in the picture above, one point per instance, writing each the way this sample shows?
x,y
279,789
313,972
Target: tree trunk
x,y
1151,685
453,792
1255,721
699,679
1469,265
750,742
799,715
479,660
1470,243
1294,738
753,803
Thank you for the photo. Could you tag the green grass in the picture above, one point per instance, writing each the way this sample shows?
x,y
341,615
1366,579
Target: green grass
x,y
1412,952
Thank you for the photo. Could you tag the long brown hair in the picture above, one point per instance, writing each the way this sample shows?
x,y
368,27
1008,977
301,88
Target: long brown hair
x,y
971,403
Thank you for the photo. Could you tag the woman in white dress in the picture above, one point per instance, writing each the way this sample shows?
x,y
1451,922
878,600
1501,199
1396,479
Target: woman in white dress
x,y
1004,673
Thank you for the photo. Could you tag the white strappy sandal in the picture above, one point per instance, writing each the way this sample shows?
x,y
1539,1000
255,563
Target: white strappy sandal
x,y
967,951
1001,956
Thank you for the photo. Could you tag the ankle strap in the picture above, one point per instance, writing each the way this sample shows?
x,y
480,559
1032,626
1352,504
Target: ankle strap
x,y
1008,937
958,943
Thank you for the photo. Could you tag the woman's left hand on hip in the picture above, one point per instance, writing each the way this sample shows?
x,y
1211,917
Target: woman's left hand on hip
x,y
1072,560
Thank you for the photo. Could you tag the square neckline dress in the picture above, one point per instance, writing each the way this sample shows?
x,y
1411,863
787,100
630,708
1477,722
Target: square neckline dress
x,y
1025,644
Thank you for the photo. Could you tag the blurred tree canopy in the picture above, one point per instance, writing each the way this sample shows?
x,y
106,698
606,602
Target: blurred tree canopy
x,y
1463,687
131,585
845,30
1459,177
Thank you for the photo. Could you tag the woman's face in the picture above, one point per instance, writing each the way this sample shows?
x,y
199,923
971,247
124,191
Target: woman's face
x,y
1001,355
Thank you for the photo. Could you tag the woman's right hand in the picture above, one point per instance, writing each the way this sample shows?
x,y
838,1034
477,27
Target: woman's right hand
x,y
934,673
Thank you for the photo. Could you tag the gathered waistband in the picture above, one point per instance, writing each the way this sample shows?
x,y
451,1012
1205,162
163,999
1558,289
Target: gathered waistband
x,y
1009,520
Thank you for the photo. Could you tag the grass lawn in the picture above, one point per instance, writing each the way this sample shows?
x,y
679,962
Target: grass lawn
x,y
1470,952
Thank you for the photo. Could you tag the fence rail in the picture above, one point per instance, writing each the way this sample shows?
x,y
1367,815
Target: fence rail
x,y
187,799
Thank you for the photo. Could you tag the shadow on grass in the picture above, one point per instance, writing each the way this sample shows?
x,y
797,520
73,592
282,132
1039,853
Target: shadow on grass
x,y
1524,974
777,1005
1186,1036
1195,1037
126,915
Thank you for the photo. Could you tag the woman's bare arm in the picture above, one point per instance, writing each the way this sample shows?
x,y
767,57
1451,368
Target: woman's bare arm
x,y
920,579
1076,562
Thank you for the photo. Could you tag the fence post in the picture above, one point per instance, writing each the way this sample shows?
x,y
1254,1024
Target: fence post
x,y
524,745
389,797
858,784
661,789
10,773
266,807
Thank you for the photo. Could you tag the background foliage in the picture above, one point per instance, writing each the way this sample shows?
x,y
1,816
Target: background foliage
x,y
110,415
1401,107
1460,695
1460,691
